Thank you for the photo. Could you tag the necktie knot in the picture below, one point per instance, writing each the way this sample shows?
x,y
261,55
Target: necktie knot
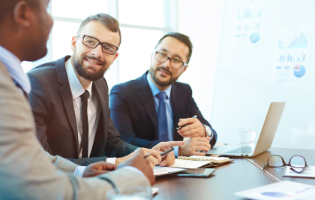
x,y
161,96
85,96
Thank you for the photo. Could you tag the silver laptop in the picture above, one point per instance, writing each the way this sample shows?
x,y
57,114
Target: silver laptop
x,y
265,139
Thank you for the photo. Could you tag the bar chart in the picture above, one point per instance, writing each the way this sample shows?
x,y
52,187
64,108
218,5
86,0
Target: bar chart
x,y
299,42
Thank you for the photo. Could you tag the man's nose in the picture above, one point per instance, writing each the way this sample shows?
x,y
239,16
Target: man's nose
x,y
167,63
97,51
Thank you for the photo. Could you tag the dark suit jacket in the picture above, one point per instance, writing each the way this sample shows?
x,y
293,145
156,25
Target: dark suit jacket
x,y
52,105
134,115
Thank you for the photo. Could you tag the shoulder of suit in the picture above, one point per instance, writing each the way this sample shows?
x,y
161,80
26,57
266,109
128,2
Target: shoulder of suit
x,y
182,85
127,86
44,69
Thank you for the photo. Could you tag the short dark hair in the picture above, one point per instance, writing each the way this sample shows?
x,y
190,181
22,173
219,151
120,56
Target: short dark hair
x,y
181,37
8,5
110,22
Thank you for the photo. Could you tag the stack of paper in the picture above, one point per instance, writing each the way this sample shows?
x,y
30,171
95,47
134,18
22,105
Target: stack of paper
x,y
282,190
192,162
159,171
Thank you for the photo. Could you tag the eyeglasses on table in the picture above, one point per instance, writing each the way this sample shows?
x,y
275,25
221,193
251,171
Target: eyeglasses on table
x,y
296,163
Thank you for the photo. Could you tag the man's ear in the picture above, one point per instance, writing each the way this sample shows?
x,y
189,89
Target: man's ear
x,y
184,69
73,42
115,56
22,14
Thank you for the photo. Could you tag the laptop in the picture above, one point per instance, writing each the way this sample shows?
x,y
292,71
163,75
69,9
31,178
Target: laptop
x,y
265,139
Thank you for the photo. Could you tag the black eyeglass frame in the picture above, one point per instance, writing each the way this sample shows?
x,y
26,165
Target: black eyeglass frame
x,y
285,164
168,58
81,35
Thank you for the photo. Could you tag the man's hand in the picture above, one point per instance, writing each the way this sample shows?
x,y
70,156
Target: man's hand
x,y
138,161
193,128
193,145
168,159
98,168
154,158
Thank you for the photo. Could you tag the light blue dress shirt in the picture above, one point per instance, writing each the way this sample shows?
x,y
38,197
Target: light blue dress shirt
x,y
15,69
169,110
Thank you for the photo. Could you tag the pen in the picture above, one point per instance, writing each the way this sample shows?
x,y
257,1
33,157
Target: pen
x,y
147,155
178,128
166,152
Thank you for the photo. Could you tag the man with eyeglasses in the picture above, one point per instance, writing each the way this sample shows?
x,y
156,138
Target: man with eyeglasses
x,y
69,100
150,109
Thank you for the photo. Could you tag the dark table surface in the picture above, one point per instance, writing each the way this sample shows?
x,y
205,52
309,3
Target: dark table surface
x,y
229,178
286,153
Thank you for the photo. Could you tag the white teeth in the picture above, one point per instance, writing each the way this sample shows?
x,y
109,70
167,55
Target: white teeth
x,y
92,62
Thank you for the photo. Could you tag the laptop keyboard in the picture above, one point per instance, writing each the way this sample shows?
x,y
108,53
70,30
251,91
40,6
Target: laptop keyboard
x,y
242,150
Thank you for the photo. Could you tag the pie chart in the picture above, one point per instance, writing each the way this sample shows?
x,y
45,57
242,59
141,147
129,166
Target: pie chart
x,y
299,71
254,37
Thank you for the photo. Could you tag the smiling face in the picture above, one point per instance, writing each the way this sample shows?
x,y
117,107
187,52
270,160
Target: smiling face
x,y
163,74
90,63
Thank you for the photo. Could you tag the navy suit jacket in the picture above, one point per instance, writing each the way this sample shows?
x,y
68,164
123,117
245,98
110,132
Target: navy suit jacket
x,y
134,115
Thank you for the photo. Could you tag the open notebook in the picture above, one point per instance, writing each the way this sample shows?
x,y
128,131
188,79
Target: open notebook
x,y
192,162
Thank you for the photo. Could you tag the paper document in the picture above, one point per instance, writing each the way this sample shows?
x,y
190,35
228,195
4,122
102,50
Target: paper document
x,y
154,190
284,190
192,162
159,171
310,172
189,164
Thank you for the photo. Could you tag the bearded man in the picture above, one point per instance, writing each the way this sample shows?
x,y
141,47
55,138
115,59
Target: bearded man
x,y
148,110
69,100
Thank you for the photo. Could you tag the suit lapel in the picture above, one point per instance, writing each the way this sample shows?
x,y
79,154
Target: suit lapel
x,y
178,112
146,97
66,96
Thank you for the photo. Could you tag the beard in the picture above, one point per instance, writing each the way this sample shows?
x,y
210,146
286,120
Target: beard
x,y
81,71
161,83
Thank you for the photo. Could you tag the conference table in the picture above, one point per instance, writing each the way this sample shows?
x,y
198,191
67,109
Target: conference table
x,y
239,175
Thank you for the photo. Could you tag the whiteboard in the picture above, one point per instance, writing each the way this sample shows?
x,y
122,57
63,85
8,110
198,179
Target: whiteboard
x,y
245,85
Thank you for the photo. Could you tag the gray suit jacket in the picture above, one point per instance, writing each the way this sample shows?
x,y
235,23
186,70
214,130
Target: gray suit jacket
x,y
52,105
26,172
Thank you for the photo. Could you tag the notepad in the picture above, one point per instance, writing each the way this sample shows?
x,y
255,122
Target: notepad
x,y
192,162
159,171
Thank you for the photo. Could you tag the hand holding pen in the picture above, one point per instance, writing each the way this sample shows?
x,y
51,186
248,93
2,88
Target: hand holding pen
x,y
191,127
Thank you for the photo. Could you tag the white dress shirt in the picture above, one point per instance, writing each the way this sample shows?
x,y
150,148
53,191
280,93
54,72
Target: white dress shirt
x,y
93,113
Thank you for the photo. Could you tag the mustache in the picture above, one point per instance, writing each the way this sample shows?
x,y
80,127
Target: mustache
x,y
164,69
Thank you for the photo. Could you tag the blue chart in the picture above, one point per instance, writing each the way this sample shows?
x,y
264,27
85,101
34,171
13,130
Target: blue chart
x,y
298,42
299,71
254,37
248,23
248,14
292,54
291,58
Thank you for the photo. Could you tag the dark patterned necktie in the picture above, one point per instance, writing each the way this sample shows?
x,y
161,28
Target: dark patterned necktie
x,y
85,124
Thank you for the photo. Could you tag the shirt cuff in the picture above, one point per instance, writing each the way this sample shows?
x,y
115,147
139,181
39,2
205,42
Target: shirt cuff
x,y
176,151
79,171
133,169
208,130
111,160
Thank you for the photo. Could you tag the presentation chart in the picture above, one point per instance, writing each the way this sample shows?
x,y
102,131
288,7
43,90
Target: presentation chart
x,y
248,23
292,54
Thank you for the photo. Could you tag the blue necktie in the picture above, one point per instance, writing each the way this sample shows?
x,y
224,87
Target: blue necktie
x,y
163,136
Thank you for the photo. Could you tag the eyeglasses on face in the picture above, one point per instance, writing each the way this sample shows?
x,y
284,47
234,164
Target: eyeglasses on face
x,y
175,62
92,42
296,163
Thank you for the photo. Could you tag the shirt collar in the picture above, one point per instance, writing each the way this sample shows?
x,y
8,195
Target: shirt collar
x,y
156,90
15,69
76,88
